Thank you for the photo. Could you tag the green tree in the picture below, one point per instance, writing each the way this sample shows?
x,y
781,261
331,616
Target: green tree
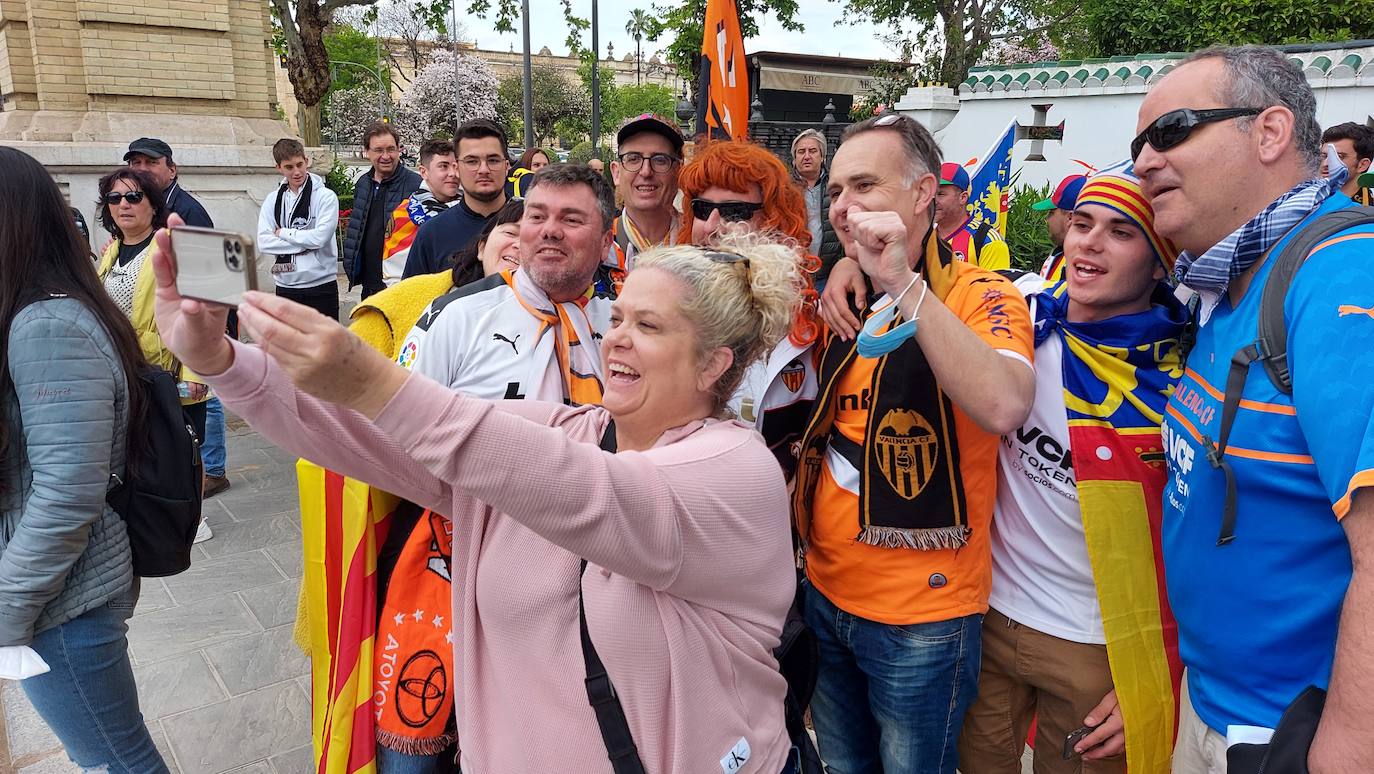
x,y
557,101
642,98
635,28
347,43
1119,27
954,34
299,28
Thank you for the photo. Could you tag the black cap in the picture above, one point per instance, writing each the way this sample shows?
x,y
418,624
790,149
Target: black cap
x,y
648,122
151,147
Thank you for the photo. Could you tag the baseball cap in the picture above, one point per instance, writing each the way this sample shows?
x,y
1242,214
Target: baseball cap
x,y
954,174
1065,197
151,147
648,122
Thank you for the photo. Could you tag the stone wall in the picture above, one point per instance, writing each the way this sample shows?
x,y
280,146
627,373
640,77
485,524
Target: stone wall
x,y
777,136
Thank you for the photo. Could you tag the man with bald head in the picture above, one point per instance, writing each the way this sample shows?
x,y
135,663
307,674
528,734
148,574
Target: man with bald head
x,y
1268,539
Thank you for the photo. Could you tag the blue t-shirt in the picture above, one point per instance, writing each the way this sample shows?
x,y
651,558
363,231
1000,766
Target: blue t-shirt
x,y
1257,618
441,236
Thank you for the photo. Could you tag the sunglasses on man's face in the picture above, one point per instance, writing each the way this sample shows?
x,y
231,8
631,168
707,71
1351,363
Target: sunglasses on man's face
x,y
1172,128
733,212
132,197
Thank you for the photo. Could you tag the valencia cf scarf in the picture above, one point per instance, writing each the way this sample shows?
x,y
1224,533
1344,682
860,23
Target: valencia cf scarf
x,y
413,663
911,492
1118,376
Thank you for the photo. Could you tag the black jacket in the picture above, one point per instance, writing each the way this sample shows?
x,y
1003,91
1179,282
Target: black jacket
x,y
192,212
830,250
402,183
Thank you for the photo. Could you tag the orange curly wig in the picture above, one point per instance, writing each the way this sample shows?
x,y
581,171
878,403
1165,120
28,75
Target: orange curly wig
x,y
737,165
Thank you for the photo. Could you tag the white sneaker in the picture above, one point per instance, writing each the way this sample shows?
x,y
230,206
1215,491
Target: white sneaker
x,y
203,532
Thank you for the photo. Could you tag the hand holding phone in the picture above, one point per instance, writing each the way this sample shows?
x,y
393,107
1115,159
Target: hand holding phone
x,y
213,265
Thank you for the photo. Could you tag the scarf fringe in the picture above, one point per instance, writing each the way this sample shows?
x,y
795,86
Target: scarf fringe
x,y
932,539
409,745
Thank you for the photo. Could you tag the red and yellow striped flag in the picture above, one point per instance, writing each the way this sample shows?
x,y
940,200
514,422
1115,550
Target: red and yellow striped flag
x,y
343,521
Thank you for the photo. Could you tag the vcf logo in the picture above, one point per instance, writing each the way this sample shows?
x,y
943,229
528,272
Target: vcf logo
x,y
793,375
907,451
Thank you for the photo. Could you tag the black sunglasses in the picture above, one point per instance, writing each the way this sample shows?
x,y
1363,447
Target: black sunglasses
x,y
132,197
722,256
733,212
1172,128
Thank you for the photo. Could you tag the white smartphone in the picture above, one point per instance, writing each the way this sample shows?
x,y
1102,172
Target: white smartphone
x,y
213,265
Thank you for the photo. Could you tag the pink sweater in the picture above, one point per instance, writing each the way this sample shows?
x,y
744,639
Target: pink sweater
x,y
688,582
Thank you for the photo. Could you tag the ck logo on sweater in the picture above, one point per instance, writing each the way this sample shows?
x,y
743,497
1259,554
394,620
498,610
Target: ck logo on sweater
x,y
907,451
736,758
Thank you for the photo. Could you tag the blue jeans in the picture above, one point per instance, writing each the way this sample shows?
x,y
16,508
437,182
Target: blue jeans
x,y
212,452
391,762
891,698
89,698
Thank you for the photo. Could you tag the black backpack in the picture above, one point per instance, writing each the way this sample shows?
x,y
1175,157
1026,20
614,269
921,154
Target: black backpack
x,y
159,496
798,659
1270,347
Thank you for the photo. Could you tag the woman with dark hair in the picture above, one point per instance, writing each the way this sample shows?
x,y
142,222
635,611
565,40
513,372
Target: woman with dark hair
x,y
495,249
531,161
70,401
132,208
534,159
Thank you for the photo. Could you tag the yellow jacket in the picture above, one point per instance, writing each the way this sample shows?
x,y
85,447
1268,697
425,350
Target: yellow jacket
x,y
145,325
384,319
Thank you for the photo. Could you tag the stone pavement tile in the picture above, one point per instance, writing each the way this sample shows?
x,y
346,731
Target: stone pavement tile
x,y
225,575
247,504
237,537
290,559
176,685
182,629
214,512
160,741
241,730
299,761
273,605
258,660
56,764
152,596
256,767
29,737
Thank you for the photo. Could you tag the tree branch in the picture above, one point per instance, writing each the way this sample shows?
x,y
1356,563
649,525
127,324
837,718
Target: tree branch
x,y
1069,14
330,6
288,25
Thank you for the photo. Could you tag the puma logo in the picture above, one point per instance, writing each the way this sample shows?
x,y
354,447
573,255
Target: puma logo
x,y
1348,309
511,342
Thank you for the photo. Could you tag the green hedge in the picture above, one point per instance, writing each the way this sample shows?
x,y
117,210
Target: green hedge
x,y
1026,235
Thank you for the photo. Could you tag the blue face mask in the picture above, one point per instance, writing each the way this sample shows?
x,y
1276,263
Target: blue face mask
x,y
873,343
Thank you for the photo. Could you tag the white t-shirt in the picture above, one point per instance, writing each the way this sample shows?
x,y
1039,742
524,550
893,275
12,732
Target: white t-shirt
x,y
1041,576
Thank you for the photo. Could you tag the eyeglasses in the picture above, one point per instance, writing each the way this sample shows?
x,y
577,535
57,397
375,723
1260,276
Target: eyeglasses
x,y
132,197
1172,128
732,212
491,162
658,162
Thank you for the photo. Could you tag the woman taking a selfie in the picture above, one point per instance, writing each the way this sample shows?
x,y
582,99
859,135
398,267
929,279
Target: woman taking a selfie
x,y
69,396
678,544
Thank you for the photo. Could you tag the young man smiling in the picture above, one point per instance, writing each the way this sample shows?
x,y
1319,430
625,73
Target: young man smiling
x,y
1077,594
439,189
645,170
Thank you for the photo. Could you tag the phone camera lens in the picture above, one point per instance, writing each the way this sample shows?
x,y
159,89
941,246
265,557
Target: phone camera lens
x,y
232,253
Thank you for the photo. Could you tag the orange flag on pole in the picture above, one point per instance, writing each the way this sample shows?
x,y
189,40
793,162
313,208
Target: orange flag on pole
x,y
723,104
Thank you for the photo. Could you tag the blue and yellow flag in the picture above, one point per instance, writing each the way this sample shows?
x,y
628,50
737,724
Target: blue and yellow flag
x,y
990,187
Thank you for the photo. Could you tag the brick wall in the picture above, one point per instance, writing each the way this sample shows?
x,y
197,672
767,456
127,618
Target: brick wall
x,y
201,57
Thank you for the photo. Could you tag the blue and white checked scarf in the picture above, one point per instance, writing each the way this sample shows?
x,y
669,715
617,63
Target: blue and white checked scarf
x,y
1211,273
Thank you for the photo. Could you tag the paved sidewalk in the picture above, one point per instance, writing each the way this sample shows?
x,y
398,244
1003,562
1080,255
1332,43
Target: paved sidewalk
x,y
221,683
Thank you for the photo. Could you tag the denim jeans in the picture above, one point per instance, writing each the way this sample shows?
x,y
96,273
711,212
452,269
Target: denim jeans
x,y
891,698
212,452
89,699
391,762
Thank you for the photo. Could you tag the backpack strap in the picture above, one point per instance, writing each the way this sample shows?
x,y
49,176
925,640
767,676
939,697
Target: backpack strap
x,y
980,234
1271,343
610,716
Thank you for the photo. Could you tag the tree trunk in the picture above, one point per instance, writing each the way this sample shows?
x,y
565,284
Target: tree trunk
x,y
308,67
310,125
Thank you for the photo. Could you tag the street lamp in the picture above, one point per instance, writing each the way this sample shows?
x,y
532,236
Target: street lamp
x,y
684,109
381,94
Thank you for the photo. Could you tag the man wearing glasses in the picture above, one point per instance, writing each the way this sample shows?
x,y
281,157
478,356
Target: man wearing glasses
x,y
647,162
482,165
1268,539
375,195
